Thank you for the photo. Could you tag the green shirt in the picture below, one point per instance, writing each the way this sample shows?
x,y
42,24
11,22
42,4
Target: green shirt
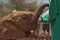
x,y
54,13
46,17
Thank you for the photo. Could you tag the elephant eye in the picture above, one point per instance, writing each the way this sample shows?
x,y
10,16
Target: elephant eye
x,y
24,16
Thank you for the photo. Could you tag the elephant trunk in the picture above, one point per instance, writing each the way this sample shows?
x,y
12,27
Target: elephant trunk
x,y
39,11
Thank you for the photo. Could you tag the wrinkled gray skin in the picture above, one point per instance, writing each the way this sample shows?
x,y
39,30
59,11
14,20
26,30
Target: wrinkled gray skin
x,y
20,23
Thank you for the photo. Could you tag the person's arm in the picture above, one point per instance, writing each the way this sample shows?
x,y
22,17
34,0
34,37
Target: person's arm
x,y
53,10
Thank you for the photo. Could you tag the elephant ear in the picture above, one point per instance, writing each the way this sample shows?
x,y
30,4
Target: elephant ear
x,y
8,24
39,11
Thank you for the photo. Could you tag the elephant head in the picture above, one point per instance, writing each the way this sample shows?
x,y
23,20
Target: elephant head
x,y
27,20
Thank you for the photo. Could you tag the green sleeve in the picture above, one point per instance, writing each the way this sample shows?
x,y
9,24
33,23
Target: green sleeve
x,y
53,10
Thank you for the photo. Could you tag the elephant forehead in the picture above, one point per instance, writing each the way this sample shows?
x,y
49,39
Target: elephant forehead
x,y
22,12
